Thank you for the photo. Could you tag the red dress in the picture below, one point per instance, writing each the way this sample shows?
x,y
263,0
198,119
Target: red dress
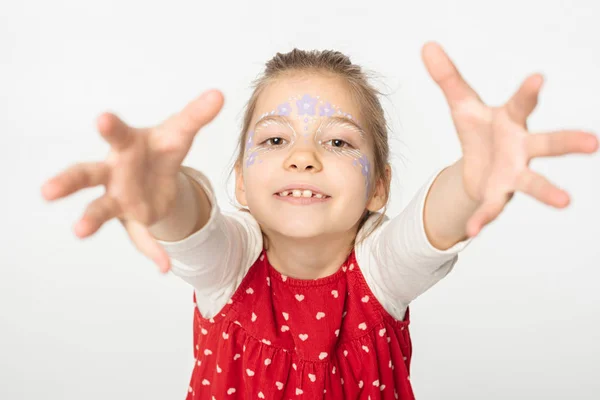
x,y
282,338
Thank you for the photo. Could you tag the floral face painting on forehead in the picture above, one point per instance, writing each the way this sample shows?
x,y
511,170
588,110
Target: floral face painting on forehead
x,y
346,143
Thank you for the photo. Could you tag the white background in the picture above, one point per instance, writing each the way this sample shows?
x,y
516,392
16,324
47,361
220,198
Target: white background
x,y
93,319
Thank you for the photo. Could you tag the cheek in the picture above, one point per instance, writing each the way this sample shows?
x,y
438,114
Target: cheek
x,y
259,167
350,172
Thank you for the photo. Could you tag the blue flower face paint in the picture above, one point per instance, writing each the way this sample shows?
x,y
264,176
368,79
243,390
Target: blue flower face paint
x,y
306,105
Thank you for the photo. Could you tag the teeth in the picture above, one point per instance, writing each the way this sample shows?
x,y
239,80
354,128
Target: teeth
x,y
301,193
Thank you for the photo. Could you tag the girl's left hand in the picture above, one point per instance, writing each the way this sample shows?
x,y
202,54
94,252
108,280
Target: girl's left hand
x,y
496,144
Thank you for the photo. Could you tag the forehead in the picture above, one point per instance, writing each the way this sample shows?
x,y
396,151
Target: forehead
x,y
328,89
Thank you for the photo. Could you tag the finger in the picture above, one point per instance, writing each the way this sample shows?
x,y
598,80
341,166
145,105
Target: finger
x,y
74,178
524,101
443,71
147,244
486,213
540,188
96,214
116,132
195,115
560,143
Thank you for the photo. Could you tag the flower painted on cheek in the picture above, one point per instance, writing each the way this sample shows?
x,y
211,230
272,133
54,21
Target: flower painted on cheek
x,y
326,110
284,109
306,105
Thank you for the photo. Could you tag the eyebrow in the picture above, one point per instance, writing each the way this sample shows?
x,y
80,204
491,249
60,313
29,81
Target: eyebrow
x,y
334,118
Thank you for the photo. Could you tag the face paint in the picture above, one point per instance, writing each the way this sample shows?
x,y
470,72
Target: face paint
x,y
253,150
284,109
306,110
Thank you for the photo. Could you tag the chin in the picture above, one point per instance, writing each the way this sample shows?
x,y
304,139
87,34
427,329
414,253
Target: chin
x,y
300,228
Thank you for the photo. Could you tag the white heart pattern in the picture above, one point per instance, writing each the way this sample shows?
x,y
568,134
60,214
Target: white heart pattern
x,y
236,357
231,391
284,328
261,395
279,385
320,315
299,297
219,370
286,316
382,332
267,361
322,356
205,382
365,299
207,352
249,372
362,326
312,377
334,293
299,391
254,317
225,336
250,290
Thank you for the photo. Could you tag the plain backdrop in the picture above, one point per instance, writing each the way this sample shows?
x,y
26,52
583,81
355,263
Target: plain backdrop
x,y
93,319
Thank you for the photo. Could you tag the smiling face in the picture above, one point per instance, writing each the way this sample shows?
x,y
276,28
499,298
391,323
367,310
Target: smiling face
x,y
306,170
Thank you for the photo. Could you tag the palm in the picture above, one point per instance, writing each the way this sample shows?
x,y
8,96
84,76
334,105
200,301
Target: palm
x,y
496,144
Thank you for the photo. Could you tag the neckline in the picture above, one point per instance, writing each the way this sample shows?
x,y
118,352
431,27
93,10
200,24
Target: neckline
x,y
288,280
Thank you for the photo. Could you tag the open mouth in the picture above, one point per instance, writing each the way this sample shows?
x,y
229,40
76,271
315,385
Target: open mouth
x,y
302,193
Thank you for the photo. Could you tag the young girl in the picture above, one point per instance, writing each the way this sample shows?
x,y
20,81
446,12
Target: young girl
x,y
305,292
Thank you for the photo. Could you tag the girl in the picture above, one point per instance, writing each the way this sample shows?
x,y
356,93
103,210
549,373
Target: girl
x,y
305,292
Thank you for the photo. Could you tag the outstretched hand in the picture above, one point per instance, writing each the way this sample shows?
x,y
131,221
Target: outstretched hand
x,y
139,173
496,144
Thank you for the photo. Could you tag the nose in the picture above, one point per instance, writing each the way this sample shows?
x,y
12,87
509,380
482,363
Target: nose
x,y
303,160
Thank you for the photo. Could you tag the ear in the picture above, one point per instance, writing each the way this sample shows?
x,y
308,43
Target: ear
x,y
379,198
240,189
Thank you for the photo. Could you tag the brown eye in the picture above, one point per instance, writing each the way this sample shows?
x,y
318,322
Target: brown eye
x,y
339,143
275,141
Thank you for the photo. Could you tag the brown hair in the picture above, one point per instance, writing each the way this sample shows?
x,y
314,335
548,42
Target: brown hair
x,y
362,92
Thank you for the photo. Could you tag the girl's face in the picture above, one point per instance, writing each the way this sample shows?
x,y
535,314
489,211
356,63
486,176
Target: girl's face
x,y
306,134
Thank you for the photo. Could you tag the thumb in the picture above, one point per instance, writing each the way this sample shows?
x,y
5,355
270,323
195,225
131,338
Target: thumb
x,y
195,115
443,71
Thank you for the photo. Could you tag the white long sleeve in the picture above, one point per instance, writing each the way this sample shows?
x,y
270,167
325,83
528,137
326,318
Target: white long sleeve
x,y
215,259
397,260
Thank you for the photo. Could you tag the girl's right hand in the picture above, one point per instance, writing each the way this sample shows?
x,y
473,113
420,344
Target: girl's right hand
x,y
139,173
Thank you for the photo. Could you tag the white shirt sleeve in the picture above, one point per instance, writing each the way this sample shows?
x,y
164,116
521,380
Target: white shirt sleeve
x,y
397,259
215,259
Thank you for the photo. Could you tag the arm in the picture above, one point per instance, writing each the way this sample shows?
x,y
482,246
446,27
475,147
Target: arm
x,y
448,208
215,257
190,212
398,260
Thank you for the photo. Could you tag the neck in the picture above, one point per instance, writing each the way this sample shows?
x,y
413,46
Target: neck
x,y
309,258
